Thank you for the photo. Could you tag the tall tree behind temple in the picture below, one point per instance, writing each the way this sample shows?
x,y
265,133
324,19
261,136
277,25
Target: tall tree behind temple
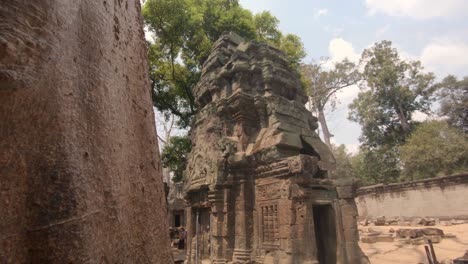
x,y
184,33
393,90
321,86
453,98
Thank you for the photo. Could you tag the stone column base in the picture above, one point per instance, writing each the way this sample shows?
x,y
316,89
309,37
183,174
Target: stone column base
x,y
241,255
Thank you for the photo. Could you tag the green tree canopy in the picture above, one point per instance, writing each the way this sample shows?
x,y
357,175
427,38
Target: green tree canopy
x,y
266,26
453,98
184,32
379,165
434,149
174,155
393,90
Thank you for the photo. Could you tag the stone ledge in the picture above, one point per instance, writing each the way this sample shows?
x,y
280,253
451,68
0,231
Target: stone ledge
x,y
441,182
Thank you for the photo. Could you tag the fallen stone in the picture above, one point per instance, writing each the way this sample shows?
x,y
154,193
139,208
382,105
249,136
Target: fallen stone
x,y
393,221
403,223
457,222
364,222
427,222
416,221
449,235
408,233
374,230
380,221
432,231
378,238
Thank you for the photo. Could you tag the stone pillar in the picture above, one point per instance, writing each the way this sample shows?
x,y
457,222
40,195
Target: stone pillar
x,y
349,250
241,249
79,164
218,226
190,229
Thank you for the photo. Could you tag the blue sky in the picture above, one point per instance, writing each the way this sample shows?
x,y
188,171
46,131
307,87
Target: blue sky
x,y
433,31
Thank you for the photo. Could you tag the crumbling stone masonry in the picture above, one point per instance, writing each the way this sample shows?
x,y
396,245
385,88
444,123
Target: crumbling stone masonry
x,y
256,179
80,179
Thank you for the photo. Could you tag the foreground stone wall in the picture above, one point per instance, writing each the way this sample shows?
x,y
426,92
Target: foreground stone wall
x,y
79,167
443,197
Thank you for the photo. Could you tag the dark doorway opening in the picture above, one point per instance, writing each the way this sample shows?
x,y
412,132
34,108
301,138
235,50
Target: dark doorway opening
x,y
325,233
177,220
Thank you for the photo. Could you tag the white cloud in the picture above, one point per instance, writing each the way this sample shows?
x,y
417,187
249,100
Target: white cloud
x,y
340,49
418,9
320,12
445,57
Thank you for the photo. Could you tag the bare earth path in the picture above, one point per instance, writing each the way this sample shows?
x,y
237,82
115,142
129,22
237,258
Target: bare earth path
x,y
394,252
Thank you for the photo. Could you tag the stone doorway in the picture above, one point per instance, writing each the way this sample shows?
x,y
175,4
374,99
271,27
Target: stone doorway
x,y
325,233
202,235
179,220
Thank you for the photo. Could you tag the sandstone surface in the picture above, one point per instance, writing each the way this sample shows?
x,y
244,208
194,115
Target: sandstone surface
x,y
79,167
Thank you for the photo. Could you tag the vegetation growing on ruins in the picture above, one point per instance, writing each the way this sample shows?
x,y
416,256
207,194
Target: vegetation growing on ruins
x,y
184,31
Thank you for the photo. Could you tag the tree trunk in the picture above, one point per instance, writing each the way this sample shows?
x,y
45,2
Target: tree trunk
x,y
79,167
403,120
323,124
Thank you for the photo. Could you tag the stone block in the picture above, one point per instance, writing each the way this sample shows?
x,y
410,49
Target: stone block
x,y
345,192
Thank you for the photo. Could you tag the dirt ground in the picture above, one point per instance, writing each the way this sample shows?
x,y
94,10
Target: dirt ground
x,y
394,252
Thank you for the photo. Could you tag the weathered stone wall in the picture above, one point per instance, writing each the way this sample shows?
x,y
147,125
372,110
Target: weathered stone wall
x,y
443,197
79,167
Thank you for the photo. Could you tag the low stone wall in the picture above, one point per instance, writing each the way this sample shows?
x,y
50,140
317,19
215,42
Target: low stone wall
x,y
442,197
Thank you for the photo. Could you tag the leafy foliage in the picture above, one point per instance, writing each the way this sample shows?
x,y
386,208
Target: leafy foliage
x,y
343,162
393,90
379,165
184,33
174,155
434,149
453,98
266,26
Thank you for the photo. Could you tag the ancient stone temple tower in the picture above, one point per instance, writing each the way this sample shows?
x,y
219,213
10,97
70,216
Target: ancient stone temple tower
x,y
256,181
